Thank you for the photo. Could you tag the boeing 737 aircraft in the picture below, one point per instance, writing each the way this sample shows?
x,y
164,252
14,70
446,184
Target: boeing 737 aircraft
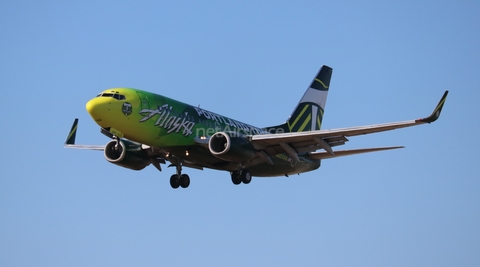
x,y
147,128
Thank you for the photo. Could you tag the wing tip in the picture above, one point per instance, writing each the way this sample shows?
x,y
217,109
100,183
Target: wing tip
x,y
436,112
72,134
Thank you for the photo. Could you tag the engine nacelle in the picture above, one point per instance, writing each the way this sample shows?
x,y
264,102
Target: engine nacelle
x,y
231,147
126,154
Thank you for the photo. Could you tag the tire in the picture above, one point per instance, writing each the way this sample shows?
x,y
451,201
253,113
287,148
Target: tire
x,y
246,177
184,181
174,181
236,180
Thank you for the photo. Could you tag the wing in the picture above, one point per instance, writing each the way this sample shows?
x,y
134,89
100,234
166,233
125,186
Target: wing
x,y
70,142
157,156
300,142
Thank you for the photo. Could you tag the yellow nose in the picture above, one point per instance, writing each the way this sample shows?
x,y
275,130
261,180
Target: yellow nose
x,y
98,108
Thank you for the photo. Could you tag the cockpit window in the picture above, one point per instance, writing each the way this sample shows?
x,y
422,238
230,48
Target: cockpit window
x,y
115,95
119,97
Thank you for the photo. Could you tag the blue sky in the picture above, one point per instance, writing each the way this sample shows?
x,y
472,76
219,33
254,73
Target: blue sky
x,y
251,61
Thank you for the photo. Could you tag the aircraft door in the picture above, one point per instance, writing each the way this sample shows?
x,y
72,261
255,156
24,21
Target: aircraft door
x,y
143,101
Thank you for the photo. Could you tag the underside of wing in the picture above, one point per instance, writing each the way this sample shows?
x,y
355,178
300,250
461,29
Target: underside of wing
x,y
334,137
70,141
86,147
341,153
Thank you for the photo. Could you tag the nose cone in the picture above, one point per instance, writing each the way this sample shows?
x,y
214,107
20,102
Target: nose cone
x,y
110,108
92,108
97,108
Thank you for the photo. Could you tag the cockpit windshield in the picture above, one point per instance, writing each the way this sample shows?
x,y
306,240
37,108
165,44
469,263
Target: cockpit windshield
x,y
115,95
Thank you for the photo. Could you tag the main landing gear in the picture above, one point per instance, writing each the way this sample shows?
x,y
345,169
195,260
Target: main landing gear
x,y
241,176
182,180
179,179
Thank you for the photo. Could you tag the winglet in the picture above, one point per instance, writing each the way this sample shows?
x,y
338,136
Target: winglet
x,y
73,132
436,112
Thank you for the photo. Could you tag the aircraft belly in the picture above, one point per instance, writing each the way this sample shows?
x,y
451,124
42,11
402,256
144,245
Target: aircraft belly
x,y
201,156
283,165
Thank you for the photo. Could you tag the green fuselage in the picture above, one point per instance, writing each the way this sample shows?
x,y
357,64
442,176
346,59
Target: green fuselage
x,y
178,128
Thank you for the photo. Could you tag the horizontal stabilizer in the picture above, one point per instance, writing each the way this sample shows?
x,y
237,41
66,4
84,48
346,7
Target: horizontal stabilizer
x,y
340,153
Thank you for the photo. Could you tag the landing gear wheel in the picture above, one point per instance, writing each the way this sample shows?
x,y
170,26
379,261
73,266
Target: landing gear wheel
x,y
184,181
245,176
236,180
175,181
178,179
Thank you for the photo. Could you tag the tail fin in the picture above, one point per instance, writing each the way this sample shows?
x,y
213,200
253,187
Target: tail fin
x,y
308,114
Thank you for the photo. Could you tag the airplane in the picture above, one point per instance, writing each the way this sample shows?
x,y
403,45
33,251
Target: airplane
x,y
148,128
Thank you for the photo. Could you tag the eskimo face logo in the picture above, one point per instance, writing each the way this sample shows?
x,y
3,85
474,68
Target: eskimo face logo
x,y
127,108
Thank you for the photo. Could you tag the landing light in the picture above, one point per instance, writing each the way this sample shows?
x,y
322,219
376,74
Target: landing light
x,y
186,153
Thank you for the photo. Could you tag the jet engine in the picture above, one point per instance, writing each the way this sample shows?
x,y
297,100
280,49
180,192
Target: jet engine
x,y
126,154
231,147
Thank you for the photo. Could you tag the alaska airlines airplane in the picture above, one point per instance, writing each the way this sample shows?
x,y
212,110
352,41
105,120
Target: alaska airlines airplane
x,y
147,128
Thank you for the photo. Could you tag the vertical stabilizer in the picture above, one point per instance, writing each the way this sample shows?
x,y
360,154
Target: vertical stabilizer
x,y
308,114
